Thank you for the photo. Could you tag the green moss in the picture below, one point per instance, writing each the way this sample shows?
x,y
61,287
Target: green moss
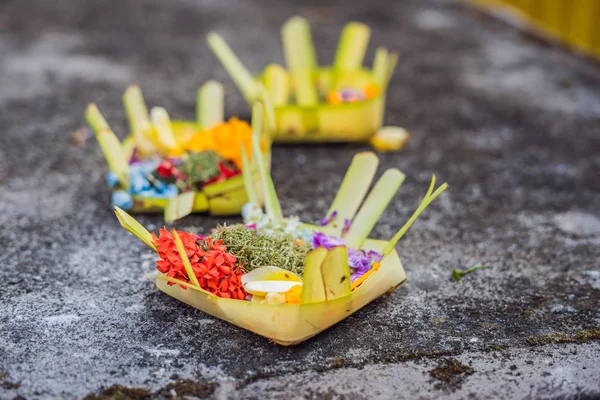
x,y
527,313
119,392
587,335
182,387
489,325
338,363
418,355
497,347
200,167
451,372
254,250
341,362
7,383
561,337
186,387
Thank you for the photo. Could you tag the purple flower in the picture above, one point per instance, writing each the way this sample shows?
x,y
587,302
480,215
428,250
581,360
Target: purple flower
x,y
322,240
251,226
346,227
361,262
327,220
349,94
135,156
176,160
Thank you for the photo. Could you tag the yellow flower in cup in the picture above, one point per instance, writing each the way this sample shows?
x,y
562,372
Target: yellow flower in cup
x,y
293,296
224,138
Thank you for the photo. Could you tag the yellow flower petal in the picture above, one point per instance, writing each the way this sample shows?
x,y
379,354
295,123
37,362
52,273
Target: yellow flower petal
x,y
225,138
364,277
293,295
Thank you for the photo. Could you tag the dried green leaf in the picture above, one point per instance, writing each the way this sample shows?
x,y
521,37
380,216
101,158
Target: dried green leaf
x,y
185,259
130,223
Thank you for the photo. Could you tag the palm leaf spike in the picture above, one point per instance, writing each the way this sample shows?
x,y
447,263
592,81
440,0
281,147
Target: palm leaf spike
x,y
135,108
269,194
352,46
429,197
95,118
256,180
392,61
137,115
179,282
277,84
383,66
313,287
130,223
263,96
128,145
268,157
380,67
353,189
179,206
164,132
301,59
431,186
306,93
185,259
239,73
110,145
335,273
376,202
248,178
210,107
298,47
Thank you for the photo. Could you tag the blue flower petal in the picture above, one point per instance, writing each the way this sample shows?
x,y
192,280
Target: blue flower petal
x,y
138,182
122,199
147,167
169,191
111,179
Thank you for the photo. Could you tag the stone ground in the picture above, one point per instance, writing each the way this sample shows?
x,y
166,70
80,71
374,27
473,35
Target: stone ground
x,y
512,123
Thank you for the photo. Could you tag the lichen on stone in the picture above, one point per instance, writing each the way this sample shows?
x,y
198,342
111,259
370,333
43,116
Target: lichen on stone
x,y
451,372
561,337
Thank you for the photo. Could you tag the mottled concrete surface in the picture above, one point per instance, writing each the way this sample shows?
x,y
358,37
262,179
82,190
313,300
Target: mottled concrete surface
x,y
512,123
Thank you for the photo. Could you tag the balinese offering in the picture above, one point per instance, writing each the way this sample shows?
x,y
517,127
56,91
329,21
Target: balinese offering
x,y
339,103
178,167
276,276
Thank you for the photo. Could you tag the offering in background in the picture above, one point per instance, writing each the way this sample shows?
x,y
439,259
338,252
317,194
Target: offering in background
x,y
179,167
344,102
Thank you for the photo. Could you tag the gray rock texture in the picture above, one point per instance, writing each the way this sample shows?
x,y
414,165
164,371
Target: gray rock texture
x,y
511,122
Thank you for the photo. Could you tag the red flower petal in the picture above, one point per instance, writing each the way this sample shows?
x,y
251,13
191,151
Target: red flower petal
x,y
219,260
215,269
226,270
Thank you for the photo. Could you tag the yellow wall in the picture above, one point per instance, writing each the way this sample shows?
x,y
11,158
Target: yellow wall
x,y
574,22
